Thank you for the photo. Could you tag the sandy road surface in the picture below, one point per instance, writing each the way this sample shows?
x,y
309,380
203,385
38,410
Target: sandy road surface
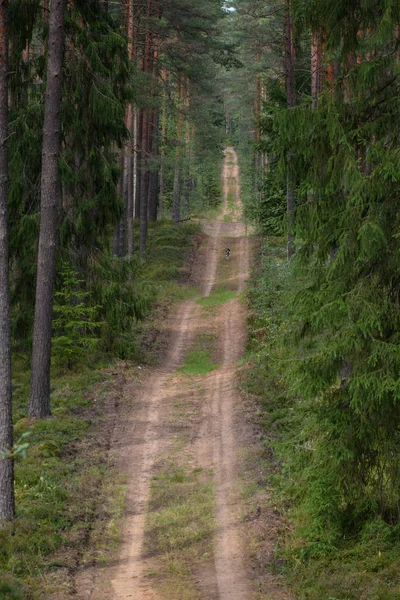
x,y
216,446
146,435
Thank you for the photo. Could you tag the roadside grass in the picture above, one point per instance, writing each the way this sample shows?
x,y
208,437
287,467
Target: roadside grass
x,y
231,201
58,486
219,296
69,498
358,571
180,528
200,360
362,567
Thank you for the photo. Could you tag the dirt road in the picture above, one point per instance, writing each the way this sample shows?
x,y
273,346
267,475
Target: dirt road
x,y
205,436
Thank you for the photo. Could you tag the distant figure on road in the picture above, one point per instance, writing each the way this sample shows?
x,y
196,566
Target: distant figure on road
x,y
228,253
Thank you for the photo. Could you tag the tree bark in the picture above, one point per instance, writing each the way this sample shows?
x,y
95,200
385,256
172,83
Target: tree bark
x,y
130,187
143,187
153,183
39,403
188,156
316,67
163,135
128,163
290,92
138,154
122,224
258,101
176,199
144,174
7,502
118,234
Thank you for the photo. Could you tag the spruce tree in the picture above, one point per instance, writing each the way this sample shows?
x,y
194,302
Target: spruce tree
x,y
343,318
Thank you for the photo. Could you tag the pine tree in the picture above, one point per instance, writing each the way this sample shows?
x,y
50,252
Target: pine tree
x,y
39,403
6,428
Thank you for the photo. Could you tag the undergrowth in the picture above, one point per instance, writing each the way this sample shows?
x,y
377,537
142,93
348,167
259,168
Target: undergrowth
x,y
325,557
58,485
128,290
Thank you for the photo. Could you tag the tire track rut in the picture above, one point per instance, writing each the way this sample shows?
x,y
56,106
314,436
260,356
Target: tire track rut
x,y
145,435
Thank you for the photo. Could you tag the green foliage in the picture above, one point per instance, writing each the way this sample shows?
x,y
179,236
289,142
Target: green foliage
x,y
334,363
95,91
123,299
340,547
50,475
74,323
127,290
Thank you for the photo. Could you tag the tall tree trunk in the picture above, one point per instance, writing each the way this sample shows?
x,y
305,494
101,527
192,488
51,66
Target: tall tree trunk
x,y
144,173
163,134
154,136
130,186
126,172
186,178
176,199
137,117
7,503
153,184
118,235
135,160
138,154
143,187
317,74
122,224
128,166
258,102
39,403
290,92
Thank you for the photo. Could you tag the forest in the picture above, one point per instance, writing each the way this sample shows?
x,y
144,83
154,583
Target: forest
x,y
199,299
